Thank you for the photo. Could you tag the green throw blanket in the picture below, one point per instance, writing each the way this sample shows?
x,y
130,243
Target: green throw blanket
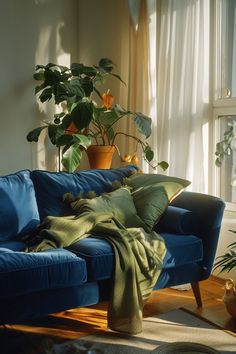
x,y
138,260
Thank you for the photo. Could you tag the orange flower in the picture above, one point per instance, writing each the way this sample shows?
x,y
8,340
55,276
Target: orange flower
x,y
134,160
107,99
127,158
71,129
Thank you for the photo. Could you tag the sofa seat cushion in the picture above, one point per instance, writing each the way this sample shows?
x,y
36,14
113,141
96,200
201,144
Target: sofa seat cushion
x,y
22,273
19,211
99,256
50,187
182,250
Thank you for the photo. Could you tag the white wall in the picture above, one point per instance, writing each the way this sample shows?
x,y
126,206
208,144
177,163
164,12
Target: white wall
x,y
104,32
31,32
41,31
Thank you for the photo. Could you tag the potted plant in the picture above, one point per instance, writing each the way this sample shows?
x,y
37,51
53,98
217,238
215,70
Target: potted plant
x,y
226,263
227,144
82,121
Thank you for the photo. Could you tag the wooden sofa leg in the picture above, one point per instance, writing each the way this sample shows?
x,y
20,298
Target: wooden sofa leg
x,y
196,292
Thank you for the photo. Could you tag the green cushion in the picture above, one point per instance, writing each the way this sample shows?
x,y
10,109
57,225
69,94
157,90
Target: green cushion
x,y
152,200
143,179
118,202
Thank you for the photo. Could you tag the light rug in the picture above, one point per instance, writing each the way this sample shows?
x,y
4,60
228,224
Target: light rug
x,y
158,332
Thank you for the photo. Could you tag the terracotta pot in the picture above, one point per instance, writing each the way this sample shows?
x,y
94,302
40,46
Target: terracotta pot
x,y
100,156
229,297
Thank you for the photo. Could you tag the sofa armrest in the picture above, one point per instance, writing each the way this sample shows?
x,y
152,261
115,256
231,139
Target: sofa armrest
x,y
208,210
207,213
175,220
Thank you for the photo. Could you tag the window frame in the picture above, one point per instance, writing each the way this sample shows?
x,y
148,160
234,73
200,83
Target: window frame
x,y
221,106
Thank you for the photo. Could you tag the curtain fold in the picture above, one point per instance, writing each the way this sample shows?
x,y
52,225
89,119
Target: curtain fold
x,y
179,100
234,54
135,67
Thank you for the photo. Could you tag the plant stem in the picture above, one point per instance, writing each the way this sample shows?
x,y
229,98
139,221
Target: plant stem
x,y
129,136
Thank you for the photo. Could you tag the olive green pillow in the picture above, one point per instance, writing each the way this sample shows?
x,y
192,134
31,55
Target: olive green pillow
x,y
152,200
144,179
119,203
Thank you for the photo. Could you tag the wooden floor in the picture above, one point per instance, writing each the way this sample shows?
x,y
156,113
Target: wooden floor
x,y
75,323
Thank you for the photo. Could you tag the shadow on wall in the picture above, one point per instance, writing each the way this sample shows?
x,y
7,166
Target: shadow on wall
x,y
56,43
31,32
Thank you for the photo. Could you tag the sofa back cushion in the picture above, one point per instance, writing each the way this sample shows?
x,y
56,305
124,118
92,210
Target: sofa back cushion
x,y
147,179
50,187
119,203
151,201
19,212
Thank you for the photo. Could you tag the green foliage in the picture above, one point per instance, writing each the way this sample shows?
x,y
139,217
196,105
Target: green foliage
x,y
227,261
224,147
81,120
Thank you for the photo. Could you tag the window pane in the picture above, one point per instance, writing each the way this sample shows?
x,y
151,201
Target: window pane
x,y
228,168
228,54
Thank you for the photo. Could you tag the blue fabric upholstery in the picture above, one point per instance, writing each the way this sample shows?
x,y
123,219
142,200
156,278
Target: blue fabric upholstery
x,y
37,284
180,275
19,212
99,257
13,245
22,273
208,213
51,186
176,220
41,303
182,250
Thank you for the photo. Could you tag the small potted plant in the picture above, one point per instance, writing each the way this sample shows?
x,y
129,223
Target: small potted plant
x,y
82,121
226,263
227,144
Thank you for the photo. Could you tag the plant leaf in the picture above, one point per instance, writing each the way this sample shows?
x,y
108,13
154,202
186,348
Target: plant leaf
x,y
65,139
110,133
39,76
46,95
78,69
106,64
118,77
82,139
71,157
73,88
34,134
82,114
54,133
149,154
164,165
39,88
120,110
87,85
144,124
108,117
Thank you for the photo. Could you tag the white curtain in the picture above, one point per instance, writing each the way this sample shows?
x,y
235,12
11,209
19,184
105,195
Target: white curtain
x,y
179,87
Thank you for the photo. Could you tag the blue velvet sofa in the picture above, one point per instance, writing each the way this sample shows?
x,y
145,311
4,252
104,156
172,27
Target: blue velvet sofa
x,y
38,284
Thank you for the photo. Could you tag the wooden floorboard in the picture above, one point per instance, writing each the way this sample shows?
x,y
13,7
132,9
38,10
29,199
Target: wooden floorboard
x,y
75,323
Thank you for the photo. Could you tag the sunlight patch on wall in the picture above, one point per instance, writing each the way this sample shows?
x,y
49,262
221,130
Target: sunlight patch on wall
x,y
49,49
41,2
42,49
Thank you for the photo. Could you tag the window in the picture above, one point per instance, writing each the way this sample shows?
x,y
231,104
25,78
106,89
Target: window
x,y
228,168
224,105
